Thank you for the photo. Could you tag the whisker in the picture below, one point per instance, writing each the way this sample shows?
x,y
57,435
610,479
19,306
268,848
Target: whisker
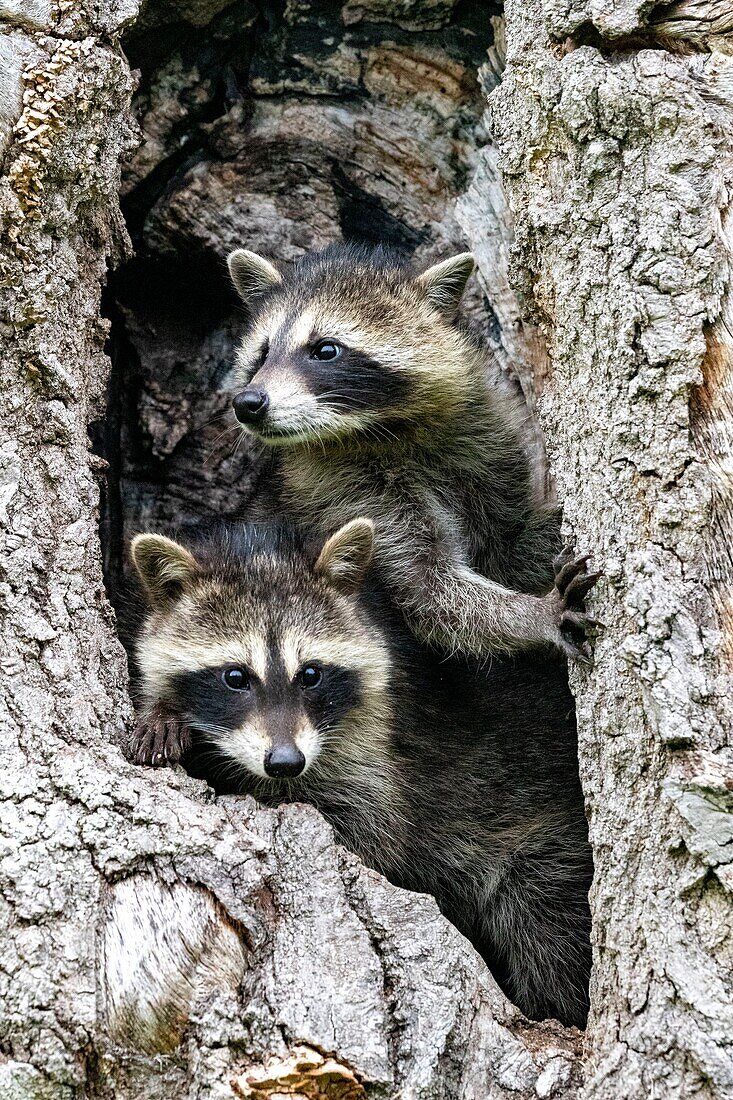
x,y
228,431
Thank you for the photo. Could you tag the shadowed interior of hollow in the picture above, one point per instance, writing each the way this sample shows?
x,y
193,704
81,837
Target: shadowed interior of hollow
x,y
280,128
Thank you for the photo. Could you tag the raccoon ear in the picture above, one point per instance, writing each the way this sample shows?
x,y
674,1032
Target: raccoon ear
x,y
251,274
163,566
445,282
347,555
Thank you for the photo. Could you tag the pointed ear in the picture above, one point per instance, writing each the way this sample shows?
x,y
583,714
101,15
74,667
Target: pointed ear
x,y
163,566
347,555
444,283
251,274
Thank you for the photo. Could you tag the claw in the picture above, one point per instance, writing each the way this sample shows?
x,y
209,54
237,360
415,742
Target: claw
x,y
572,584
172,743
570,570
579,587
160,738
577,652
580,619
574,618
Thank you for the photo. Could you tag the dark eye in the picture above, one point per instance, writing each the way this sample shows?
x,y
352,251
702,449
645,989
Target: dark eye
x,y
310,676
264,352
236,679
325,351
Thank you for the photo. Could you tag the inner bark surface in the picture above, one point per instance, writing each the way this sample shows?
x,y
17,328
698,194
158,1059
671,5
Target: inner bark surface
x,y
279,129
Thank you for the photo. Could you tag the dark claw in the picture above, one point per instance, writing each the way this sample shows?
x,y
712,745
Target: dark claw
x,y
574,619
178,741
572,584
579,587
160,738
579,620
569,571
577,651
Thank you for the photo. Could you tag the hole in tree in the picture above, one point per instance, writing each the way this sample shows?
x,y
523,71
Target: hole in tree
x,y
280,129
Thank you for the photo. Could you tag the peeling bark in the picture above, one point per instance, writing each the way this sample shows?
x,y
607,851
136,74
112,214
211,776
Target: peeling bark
x,y
157,941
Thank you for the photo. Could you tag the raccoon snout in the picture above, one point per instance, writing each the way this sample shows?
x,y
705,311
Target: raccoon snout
x,y
250,405
284,762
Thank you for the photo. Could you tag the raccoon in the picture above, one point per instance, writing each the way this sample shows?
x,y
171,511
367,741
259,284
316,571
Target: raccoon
x,y
376,401
280,669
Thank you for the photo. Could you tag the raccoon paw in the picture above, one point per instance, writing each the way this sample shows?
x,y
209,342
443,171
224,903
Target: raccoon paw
x,y
161,737
573,582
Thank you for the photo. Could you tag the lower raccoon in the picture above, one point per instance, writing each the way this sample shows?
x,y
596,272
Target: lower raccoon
x,y
279,669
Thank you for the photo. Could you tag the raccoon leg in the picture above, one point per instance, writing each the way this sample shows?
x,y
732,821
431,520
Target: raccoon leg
x,y
422,555
540,949
160,737
536,566
457,609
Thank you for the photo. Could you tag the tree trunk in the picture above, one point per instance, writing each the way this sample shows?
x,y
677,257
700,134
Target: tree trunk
x,y
618,163
157,941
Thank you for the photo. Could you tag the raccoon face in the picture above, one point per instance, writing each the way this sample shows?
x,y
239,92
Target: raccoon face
x,y
267,655
348,343
274,723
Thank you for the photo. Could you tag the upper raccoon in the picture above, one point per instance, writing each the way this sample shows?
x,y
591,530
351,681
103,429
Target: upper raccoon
x,y
285,677
378,402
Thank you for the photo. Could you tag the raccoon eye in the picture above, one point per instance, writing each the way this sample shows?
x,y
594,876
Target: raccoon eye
x,y
325,351
264,352
236,679
310,676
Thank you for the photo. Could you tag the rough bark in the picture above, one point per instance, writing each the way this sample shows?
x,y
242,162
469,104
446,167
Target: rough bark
x,y
155,941
618,165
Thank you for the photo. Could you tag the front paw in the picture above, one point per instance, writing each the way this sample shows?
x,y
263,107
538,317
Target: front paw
x,y
161,737
573,582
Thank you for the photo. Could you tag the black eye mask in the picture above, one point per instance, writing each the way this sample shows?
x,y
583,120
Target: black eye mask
x,y
337,692
354,381
205,697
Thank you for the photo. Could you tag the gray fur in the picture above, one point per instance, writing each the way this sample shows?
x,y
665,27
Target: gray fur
x,y
447,778
250,273
416,438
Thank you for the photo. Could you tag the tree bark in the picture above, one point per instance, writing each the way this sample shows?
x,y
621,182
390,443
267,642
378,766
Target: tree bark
x,y
157,941
618,164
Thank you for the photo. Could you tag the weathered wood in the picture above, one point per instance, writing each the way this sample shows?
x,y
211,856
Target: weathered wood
x,y
154,942
618,169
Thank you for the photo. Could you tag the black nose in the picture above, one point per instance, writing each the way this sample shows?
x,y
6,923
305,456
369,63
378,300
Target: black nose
x,y
284,762
250,405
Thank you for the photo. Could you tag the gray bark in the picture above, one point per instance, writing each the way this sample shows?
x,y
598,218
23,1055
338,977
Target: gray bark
x,y
618,168
156,941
